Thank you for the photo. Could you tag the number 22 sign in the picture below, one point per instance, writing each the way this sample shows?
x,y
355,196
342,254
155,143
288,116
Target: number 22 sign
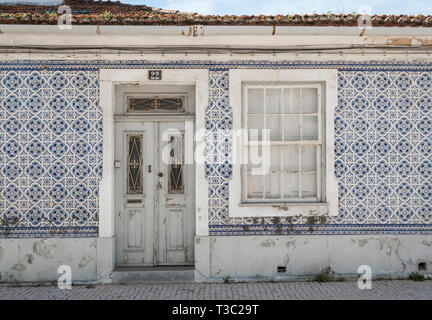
x,y
155,74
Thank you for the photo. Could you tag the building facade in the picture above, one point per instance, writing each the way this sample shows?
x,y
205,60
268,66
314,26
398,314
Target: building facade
x,y
131,146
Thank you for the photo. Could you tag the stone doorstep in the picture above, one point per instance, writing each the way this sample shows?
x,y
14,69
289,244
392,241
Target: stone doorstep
x,y
155,275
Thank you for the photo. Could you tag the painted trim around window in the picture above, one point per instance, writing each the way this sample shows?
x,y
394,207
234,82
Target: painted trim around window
x,y
329,206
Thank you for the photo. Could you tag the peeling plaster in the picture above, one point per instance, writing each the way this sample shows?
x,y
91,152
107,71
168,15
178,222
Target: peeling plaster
x,y
268,243
41,248
19,267
85,261
29,258
426,243
291,243
362,242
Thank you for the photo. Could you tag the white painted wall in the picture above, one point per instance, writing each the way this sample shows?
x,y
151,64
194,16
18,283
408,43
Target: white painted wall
x,y
30,260
257,257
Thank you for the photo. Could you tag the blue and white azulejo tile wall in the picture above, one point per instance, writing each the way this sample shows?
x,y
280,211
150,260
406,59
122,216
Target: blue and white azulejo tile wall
x,y
50,152
383,149
51,138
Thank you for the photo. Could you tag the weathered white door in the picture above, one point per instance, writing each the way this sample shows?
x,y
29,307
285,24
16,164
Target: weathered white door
x,y
154,194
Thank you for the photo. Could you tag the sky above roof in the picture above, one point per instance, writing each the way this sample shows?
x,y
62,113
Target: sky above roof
x,y
256,7
270,7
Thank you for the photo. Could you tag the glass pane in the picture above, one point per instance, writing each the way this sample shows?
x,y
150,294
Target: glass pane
x,y
175,166
309,128
309,100
309,158
308,185
291,128
255,100
290,158
291,100
272,190
273,101
255,122
274,124
291,185
255,186
275,158
134,166
155,104
255,157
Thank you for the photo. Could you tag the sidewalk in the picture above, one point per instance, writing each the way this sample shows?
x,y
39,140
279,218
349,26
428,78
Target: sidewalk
x,y
389,289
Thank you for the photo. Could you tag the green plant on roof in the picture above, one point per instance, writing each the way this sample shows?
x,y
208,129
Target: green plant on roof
x,y
107,15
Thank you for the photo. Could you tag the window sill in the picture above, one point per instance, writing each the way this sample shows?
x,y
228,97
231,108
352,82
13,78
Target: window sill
x,y
283,209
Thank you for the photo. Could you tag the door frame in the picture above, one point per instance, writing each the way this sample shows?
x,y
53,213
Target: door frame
x,y
150,130
109,78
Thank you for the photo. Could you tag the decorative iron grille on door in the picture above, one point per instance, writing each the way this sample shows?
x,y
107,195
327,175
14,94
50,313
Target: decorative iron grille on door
x,y
176,164
134,164
137,104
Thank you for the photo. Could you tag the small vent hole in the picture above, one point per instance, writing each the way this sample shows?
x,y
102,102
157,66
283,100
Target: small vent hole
x,y
281,269
422,266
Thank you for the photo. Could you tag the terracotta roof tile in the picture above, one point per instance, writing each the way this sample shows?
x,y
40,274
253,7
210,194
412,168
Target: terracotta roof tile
x,y
92,12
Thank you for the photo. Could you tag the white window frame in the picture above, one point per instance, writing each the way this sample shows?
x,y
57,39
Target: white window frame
x,y
239,78
318,142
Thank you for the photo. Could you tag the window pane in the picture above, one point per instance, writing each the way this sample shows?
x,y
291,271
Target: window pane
x,y
275,158
256,100
274,124
309,100
291,128
291,100
255,186
309,128
272,190
290,158
291,185
273,101
290,114
309,158
308,185
255,122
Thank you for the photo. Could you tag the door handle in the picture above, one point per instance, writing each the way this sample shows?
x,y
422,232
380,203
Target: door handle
x,y
149,168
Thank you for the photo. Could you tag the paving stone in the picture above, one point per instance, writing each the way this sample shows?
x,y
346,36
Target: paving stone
x,y
392,289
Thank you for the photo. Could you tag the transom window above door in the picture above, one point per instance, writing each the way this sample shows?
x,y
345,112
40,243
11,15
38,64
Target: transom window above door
x,y
155,104
293,116
154,101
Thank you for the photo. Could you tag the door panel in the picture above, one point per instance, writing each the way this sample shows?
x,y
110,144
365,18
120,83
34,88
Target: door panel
x,y
176,218
135,229
155,221
134,193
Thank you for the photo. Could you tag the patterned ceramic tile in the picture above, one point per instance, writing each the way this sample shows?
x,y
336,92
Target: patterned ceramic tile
x,y
51,140
50,144
383,149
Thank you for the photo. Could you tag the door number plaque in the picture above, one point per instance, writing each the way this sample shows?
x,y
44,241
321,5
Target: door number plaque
x,y
155,74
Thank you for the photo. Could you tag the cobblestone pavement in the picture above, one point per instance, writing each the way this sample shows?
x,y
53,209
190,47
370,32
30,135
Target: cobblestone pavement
x,y
394,289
